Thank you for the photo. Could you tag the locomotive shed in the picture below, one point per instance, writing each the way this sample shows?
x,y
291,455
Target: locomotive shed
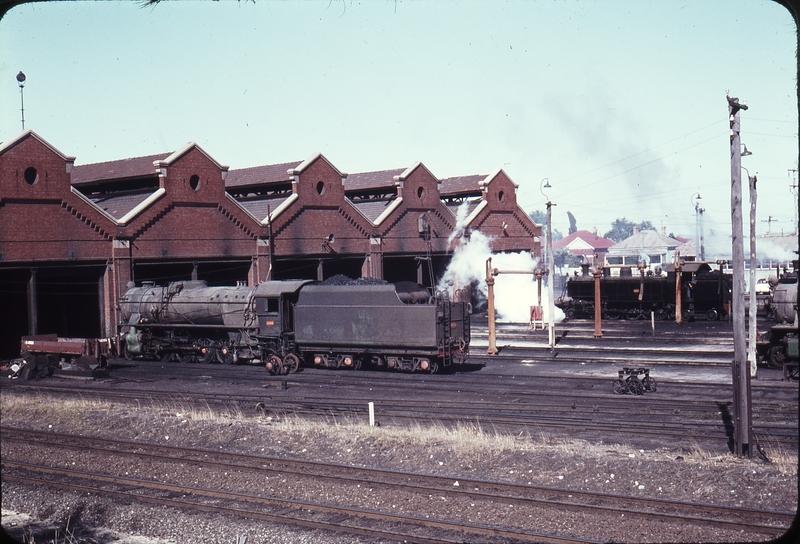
x,y
522,392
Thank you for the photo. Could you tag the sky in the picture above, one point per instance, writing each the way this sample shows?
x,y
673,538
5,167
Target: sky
x,y
621,105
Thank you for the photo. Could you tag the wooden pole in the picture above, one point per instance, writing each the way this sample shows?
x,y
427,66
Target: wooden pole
x,y
741,375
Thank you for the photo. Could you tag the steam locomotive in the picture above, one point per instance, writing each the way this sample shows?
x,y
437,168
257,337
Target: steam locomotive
x,y
704,293
284,324
779,344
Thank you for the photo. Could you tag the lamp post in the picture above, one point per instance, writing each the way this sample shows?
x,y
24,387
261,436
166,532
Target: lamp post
x,y
545,184
700,250
21,81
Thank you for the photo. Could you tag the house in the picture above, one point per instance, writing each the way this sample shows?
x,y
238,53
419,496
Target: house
x,y
652,248
584,244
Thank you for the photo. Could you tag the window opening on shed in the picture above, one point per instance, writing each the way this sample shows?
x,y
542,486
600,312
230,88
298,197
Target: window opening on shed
x,y
321,187
31,175
194,181
500,196
420,192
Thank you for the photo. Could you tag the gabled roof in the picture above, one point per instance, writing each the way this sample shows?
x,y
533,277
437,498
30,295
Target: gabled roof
x,y
462,184
8,144
260,175
380,179
134,167
590,238
373,209
119,205
183,151
646,240
300,168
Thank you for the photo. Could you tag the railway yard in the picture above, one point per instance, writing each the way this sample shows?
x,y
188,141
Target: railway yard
x,y
530,445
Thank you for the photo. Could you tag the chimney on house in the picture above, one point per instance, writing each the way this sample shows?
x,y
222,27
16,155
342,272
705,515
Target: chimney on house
x,y
635,230
594,231
663,230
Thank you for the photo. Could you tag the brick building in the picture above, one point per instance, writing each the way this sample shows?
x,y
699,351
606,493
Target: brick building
x,y
73,236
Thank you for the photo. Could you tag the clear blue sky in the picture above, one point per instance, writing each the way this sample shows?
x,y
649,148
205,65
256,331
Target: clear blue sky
x,y
621,104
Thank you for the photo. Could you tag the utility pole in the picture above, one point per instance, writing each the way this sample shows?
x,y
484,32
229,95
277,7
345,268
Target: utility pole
x,y
793,190
742,431
752,324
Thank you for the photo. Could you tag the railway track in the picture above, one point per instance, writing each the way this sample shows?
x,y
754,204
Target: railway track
x,y
577,406
435,525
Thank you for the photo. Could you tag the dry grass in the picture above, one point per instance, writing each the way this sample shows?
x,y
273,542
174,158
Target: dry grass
x,y
468,441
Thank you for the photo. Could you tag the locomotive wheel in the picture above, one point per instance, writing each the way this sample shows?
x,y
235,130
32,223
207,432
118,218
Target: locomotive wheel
x,y
620,387
226,357
167,356
291,363
207,355
186,357
777,356
274,365
635,386
712,315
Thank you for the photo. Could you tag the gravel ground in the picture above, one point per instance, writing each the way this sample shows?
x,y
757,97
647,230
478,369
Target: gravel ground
x,y
675,471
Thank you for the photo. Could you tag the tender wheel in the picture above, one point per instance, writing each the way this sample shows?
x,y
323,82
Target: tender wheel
x,y
635,386
620,387
274,365
291,363
649,384
712,315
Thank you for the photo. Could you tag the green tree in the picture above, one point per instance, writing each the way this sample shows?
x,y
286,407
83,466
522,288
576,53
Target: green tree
x,y
573,223
540,218
622,228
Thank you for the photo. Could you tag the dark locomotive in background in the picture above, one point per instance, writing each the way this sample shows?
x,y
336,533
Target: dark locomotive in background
x,y
704,294
283,324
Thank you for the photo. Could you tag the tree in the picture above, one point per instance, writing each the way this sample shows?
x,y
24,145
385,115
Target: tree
x,y
622,228
573,224
540,218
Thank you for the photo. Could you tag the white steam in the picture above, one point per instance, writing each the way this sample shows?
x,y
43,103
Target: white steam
x,y
514,294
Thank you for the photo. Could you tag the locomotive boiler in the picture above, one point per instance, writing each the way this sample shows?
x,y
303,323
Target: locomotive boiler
x,y
284,324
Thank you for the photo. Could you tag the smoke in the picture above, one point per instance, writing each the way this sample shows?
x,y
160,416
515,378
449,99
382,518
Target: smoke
x,y
514,294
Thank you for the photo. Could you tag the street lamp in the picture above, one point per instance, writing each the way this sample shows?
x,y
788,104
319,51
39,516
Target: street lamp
x,y
21,81
700,250
545,184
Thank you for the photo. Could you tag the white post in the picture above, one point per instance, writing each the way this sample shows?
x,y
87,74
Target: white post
x,y
371,414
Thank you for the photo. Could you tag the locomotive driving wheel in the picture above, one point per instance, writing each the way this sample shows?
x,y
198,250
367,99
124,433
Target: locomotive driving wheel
x,y
274,365
186,357
207,352
225,355
291,363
